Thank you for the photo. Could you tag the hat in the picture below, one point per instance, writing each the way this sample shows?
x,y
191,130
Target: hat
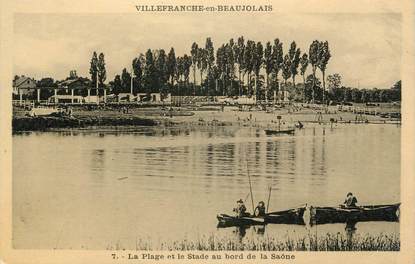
x,y
349,194
240,201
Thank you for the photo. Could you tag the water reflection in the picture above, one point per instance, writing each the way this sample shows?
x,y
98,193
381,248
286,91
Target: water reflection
x,y
184,177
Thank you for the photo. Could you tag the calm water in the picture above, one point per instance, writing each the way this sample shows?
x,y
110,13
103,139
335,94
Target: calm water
x,y
97,190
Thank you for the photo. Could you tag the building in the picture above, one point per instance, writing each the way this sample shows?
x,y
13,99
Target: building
x,y
24,85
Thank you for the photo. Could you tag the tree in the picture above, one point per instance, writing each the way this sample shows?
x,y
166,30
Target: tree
x,y
195,57
396,91
363,97
93,70
347,95
179,72
230,61
187,63
138,65
303,69
278,59
295,60
248,60
356,95
202,63
73,75
125,80
313,87
117,85
210,54
161,68
257,62
221,64
46,82
102,72
239,51
171,66
314,59
286,71
150,78
324,57
334,81
269,65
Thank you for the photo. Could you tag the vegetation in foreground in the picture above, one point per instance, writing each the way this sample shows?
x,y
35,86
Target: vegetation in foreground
x,y
328,242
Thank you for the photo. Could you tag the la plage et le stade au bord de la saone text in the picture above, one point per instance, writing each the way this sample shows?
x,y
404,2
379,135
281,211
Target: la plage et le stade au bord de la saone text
x,y
203,256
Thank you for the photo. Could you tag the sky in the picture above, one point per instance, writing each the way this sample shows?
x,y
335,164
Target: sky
x,y
365,47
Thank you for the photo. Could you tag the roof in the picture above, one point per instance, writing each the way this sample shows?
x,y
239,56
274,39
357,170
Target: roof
x,y
83,82
21,80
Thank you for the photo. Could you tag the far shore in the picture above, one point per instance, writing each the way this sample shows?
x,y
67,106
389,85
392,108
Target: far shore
x,y
195,116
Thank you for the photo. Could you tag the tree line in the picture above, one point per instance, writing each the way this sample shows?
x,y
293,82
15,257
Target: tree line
x,y
241,67
235,68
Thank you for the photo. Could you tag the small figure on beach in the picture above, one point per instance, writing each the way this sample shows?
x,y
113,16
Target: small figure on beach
x,y
350,201
299,125
240,209
260,209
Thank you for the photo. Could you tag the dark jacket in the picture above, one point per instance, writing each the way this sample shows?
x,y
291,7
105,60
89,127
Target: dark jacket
x,y
240,210
259,211
350,201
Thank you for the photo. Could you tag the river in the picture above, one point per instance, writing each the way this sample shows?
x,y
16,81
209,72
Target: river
x,y
114,189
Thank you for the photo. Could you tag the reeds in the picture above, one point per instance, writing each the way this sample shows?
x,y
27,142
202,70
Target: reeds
x,y
327,242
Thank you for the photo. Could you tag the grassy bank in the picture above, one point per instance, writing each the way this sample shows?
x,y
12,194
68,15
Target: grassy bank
x,y
327,242
47,123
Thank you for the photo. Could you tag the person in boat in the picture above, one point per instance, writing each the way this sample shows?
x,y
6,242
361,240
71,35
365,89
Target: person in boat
x,y
260,209
350,201
240,209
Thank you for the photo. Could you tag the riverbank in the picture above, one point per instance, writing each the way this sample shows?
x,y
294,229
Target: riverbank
x,y
227,116
326,242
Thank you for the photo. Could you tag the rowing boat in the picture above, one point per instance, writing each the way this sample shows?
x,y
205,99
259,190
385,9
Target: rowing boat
x,y
323,215
228,220
316,215
288,131
291,216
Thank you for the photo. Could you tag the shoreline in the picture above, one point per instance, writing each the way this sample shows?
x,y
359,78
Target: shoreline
x,y
94,120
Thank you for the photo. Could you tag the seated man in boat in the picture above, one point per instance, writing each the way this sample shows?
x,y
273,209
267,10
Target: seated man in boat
x,y
260,209
240,209
350,201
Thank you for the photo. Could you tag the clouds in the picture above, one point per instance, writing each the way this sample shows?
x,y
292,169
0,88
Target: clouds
x,y
365,47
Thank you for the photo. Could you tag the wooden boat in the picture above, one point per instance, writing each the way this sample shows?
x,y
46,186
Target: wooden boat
x,y
228,220
288,131
317,215
323,215
291,216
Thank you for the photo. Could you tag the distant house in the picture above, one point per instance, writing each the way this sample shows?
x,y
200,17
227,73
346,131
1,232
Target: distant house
x,y
26,85
76,84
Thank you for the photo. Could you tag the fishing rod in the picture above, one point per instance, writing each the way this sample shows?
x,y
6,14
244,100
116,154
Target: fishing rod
x,y
250,185
269,196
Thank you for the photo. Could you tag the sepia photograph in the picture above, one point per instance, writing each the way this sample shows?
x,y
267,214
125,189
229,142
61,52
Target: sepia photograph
x,y
207,131
182,132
